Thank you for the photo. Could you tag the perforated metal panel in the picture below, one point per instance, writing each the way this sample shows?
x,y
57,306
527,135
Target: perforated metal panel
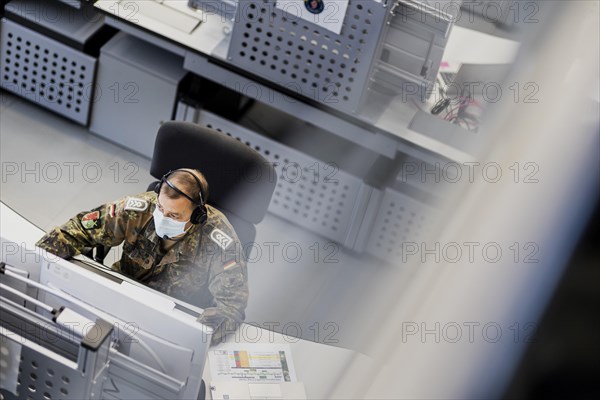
x,y
400,219
309,192
42,373
42,377
46,72
306,58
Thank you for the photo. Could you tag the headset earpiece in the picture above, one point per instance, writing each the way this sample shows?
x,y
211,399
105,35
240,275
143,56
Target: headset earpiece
x,y
157,187
199,215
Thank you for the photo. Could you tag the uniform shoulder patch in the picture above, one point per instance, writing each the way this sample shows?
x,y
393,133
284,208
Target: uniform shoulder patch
x,y
220,238
111,210
91,220
135,204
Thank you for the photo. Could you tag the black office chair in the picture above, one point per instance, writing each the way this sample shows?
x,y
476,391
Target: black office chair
x,y
241,182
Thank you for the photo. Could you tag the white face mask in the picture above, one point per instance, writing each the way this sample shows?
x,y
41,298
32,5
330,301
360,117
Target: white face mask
x,y
165,226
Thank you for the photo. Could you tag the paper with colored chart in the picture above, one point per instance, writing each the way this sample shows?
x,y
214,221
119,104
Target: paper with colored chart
x,y
252,362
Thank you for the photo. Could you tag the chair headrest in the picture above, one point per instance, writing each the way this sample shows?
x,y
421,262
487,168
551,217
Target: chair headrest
x,y
240,180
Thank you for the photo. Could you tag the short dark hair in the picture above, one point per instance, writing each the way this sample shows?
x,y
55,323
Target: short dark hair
x,y
185,182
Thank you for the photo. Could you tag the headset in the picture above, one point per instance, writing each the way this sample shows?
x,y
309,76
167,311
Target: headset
x,y
199,215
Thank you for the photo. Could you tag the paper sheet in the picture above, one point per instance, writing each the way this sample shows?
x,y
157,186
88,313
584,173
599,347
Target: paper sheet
x,y
252,362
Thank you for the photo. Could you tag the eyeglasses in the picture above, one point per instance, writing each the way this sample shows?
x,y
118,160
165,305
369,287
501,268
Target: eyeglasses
x,y
175,216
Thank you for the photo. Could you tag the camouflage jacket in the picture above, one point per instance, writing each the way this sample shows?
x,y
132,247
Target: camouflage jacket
x,y
204,268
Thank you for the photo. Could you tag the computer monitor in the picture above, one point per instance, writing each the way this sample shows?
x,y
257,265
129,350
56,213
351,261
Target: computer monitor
x,y
160,346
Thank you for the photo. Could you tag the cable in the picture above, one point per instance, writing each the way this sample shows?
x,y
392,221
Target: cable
x,y
440,106
152,354
441,86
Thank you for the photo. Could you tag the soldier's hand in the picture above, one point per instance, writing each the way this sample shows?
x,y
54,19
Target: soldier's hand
x,y
211,317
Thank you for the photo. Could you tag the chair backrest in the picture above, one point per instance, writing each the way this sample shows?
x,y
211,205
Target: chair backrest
x,y
241,182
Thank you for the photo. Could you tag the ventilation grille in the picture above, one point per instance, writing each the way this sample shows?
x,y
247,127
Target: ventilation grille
x,y
46,72
305,58
400,220
44,378
309,192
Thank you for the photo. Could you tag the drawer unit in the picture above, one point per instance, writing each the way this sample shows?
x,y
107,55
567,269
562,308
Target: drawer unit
x,y
137,86
46,72
49,55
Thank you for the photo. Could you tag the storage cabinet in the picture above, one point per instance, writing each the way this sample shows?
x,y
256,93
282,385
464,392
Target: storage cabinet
x,y
135,92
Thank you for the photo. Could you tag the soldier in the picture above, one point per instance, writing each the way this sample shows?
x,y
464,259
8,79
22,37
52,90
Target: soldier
x,y
173,242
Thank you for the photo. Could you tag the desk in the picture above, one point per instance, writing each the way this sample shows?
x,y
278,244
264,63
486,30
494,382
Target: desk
x,y
205,53
205,39
318,366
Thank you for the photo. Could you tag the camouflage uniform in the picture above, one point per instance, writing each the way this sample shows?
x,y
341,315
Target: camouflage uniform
x,y
204,268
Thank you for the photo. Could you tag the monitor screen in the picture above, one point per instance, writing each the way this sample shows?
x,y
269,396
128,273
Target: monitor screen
x,y
159,348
